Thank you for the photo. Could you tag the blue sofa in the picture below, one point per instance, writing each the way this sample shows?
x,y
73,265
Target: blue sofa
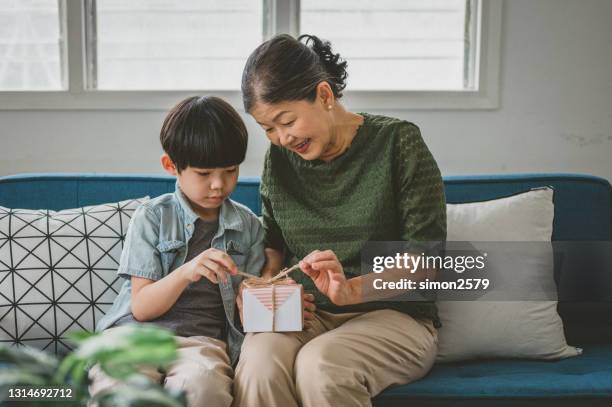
x,y
583,212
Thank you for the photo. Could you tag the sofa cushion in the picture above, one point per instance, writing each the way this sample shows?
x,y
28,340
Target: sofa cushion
x,y
58,270
583,212
63,191
588,376
506,327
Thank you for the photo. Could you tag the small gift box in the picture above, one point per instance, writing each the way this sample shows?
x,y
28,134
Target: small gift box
x,y
273,308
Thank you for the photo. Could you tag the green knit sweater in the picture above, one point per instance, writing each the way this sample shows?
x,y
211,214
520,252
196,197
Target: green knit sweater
x,y
386,186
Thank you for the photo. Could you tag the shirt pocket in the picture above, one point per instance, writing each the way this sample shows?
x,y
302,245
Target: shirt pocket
x,y
236,251
168,252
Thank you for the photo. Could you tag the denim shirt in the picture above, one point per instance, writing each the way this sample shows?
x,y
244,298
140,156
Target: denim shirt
x,y
156,244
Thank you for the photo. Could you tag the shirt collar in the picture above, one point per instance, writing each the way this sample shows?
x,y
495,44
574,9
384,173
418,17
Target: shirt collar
x,y
229,218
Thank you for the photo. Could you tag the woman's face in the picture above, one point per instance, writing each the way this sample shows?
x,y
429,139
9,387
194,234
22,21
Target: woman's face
x,y
303,127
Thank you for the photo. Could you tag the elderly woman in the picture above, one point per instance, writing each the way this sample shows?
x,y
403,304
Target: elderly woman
x,y
334,180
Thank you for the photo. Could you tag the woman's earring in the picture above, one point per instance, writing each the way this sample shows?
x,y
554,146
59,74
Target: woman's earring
x,y
329,107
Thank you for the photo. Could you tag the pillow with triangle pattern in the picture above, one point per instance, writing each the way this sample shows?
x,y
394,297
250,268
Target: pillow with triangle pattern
x,y
58,271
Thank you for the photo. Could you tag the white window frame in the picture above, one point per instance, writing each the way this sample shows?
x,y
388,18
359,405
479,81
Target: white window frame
x,y
279,16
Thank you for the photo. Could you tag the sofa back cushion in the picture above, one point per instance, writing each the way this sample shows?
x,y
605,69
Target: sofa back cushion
x,y
58,271
583,204
583,212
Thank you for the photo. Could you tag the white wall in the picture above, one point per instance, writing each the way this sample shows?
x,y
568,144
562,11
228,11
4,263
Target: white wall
x,y
555,112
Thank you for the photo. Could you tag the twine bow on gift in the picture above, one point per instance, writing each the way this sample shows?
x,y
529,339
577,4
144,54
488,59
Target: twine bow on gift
x,y
262,282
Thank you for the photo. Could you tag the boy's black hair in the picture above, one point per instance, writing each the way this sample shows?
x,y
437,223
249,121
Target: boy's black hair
x,y
204,132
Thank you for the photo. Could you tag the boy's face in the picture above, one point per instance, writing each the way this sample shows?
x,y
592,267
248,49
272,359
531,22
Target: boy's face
x,y
205,188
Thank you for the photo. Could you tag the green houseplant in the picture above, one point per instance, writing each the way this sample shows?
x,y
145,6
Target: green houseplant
x,y
119,355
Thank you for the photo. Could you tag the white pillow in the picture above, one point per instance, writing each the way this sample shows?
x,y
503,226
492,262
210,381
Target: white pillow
x,y
59,269
511,329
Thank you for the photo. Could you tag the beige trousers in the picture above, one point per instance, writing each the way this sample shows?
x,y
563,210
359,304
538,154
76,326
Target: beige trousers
x,y
202,370
341,360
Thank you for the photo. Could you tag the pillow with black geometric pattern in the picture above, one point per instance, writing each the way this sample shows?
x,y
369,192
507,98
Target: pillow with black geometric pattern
x,y
58,270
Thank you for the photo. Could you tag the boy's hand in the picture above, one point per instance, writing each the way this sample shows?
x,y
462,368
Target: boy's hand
x,y
212,264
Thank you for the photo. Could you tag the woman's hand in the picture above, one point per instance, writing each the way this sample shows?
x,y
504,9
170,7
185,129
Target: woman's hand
x,y
309,309
325,270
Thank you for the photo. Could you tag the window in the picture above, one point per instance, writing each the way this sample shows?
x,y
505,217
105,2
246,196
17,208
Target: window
x,y
147,54
399,44
31,45
157,44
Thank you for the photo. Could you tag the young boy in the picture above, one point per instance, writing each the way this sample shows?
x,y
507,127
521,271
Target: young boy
x,y
182,251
